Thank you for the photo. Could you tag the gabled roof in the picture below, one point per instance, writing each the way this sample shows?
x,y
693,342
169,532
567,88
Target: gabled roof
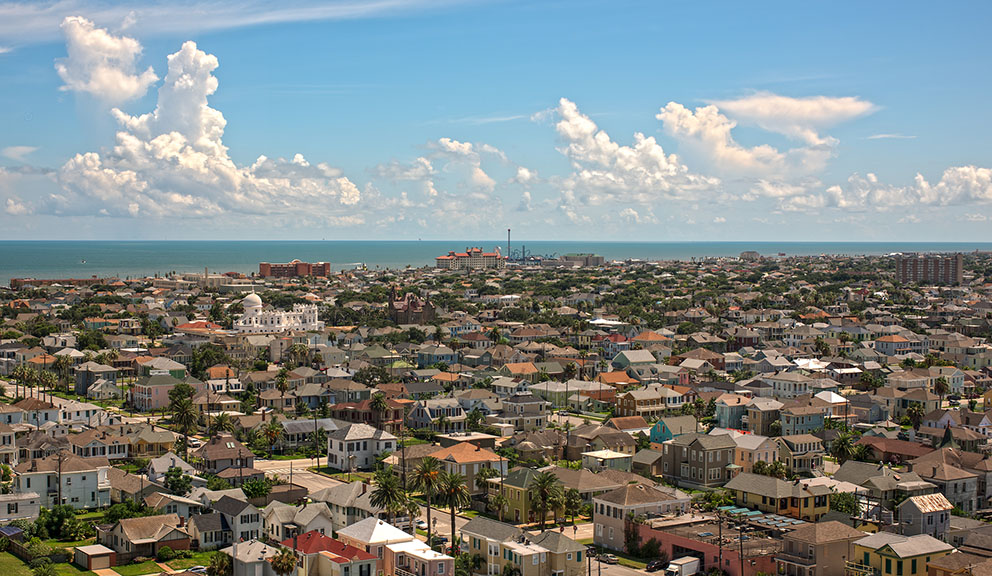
x,y
374,531
489,528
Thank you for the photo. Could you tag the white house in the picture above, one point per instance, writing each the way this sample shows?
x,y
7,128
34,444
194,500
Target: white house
x,y
356,446
282,521
84,480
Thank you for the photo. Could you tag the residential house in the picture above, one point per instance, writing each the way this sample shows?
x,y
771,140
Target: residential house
x,y
730,410
223,452
888,554
930,514
281,521
820,549
771,495
649,403
668,427
322,555
612,510
145,536
760,414
801,453
440,415
504,547
84,482
524,411
468,460
699,460
356,446
210,531
801,419
397,552
244,519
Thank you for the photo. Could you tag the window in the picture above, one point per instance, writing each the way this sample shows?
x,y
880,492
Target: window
x,y
537,558
888,565
440,568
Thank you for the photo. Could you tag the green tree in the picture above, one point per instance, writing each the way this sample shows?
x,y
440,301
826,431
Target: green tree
x,y
915,413
176,482
427,479
453,493
256,488
388,493
221,423
482,478
546,493
940,388
284,562
272,432
844,502
379,406
184,419
573,502
842,447
220,565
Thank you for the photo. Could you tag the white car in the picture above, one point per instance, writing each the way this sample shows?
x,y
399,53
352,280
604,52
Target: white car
x,y
421,524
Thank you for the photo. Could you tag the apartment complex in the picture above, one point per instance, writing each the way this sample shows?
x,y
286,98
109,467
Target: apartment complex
x,y
294,269
929,268
471,258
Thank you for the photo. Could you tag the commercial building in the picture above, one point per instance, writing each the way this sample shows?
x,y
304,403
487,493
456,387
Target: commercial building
x,y
294,269
471,258
257,320
929,268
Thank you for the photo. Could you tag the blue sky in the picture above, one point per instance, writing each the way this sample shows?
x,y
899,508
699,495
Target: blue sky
x,y
405,119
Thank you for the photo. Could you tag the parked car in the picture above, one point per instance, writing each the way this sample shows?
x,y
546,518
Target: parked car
x,y
608,559
197,569
421,524
655,565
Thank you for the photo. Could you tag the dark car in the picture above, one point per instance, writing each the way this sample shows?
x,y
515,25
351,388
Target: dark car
x,y
655,565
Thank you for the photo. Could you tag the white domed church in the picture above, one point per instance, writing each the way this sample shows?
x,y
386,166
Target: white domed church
x,y
257,320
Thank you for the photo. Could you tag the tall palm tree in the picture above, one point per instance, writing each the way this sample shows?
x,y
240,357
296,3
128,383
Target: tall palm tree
x,y
546,493
282,381
427,478
482,480
915,413
940,388
272,432
388,493
63,364
379,407
284,562
184,419
499,504
454,494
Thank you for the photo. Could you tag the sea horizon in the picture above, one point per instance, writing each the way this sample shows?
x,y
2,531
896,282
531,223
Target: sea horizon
x,y
53,259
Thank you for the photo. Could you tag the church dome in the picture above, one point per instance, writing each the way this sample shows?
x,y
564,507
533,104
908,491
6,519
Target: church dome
x,y
252,301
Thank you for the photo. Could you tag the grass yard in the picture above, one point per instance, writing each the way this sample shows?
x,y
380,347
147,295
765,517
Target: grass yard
x,y
197,559
149,567
71,570
60,544
412,442
95,516
11,565
469,513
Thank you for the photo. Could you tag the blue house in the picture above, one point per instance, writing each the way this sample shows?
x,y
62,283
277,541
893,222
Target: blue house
x,y
668,427
431,355
801,420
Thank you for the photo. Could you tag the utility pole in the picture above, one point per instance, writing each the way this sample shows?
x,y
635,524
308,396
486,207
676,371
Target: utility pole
x,y
719,537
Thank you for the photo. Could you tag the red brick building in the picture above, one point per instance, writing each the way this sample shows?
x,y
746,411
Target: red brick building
x,y
294,269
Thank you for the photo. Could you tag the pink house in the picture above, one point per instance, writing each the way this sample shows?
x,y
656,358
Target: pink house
x,y
398,553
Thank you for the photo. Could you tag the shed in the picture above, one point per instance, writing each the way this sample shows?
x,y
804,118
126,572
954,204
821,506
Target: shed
x,y
95,557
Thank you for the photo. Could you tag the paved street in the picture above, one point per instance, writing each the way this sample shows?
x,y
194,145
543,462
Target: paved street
x,y
297,470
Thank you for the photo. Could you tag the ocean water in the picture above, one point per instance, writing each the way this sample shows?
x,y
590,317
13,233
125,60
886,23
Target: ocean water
x,y
68,259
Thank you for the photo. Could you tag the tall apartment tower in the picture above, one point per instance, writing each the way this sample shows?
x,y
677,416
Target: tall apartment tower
x,y
930,268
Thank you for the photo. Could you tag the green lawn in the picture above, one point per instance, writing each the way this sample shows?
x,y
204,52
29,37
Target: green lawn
x,y
469,513
72,570
342,476
60,544
412,442
149,567
197,559
95,516
11,565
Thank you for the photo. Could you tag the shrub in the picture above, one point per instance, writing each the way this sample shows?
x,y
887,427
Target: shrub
x,y
165,554
37,562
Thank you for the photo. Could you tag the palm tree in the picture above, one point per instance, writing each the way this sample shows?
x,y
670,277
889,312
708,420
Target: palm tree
x,y
573,502
863,453
63,364
427,479
379,406
388,493
453,493
915,414
940,388
413,511
272,432
499,504
298,353
778,469
760,467
482,480
546,493
442,423
842,448
282,381
184,419
220,565
222,423
284,562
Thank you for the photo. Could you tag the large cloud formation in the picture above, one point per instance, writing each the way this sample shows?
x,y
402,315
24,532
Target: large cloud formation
x,y
101,64
173,162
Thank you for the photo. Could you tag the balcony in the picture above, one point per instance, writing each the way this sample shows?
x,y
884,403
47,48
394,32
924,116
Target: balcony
x,y
794,559
403,572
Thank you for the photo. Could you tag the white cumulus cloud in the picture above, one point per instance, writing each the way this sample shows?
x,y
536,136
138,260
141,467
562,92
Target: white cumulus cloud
x,y
173,162
797,118
101,64
18,153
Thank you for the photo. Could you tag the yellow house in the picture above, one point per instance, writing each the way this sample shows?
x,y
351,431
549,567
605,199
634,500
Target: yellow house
x,y
767,494
549,553
887,554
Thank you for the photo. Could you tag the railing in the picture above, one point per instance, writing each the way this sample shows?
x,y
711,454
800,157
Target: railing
x,y
402,572
794,559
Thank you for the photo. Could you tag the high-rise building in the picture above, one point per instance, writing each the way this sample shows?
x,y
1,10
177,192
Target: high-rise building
x,y
294,269
930,268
